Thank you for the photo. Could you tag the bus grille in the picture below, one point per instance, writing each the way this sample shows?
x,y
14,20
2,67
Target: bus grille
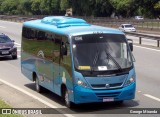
x,y
109,95
115,85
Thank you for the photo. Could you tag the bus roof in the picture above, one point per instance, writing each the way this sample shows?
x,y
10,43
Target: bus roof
x,y
68,26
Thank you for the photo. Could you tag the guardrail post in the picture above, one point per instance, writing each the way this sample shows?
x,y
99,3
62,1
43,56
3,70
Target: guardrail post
x,y
158,43
140,40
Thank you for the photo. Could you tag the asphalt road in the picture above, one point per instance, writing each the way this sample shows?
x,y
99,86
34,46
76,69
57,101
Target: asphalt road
x,y
148,81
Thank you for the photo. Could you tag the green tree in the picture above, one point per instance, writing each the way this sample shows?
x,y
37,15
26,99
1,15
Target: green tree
x,y
102,8
64,4
55,7
147,8
126,8
25,6
123,7
157,9
9,7
83,7
35,7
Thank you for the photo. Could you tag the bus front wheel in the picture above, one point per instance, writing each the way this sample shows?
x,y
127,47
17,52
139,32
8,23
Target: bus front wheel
x,y
68,103
38,87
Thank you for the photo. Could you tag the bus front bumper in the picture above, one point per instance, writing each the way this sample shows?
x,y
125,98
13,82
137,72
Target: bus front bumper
x,y
85,95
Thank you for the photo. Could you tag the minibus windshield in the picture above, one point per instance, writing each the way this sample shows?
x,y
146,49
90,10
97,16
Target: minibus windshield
x,y
101,52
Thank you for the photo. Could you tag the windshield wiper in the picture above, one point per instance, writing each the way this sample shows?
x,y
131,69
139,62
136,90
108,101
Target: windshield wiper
x,y
96,58
110,56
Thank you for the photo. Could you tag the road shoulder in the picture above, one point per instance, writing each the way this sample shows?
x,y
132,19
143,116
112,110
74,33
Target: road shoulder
x,y
18,99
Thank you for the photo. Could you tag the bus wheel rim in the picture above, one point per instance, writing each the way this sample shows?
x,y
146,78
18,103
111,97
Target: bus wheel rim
x,y
37,84
66,98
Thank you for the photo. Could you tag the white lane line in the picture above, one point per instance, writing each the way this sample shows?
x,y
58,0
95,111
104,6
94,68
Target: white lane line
x,y
139,91
152,97
147,48
33,96
2,27
11,22
18,50
17,44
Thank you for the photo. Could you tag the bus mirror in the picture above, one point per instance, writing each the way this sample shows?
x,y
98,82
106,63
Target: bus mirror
x,y
130,42
64,50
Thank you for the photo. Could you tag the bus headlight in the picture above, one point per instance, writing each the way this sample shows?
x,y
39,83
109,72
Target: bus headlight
x,y
129,81
82,83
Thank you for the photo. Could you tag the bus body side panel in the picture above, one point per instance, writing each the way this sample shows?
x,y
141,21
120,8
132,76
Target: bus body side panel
x,y
28,65
39,46
66,78
45,73
44,59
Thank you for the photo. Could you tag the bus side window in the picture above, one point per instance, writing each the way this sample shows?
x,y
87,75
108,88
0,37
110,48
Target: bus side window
x,y
56,40
41,35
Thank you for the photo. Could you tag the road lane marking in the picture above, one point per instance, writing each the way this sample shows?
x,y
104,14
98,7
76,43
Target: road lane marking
x,y
147,48
152,97
17,44
35,97
11,22
2,27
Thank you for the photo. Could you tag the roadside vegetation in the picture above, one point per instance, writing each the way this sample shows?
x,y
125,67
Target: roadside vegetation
x,y
4,105
96,8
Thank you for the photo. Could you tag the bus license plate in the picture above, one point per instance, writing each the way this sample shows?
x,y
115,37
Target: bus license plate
x,y
108,99
5,52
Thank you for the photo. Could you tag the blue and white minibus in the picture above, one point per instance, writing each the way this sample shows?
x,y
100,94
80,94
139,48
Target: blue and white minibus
x,y
80,62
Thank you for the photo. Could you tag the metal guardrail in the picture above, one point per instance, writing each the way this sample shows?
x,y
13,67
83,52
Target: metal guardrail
x,y
22,19
157,38
16,18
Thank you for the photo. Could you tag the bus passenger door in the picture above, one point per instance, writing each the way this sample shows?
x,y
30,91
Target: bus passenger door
x,y
66,65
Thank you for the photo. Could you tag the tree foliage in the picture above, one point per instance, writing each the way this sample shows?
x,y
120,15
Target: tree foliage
x,y
101,8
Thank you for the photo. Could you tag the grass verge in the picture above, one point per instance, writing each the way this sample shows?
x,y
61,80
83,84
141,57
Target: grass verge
x,y
4,105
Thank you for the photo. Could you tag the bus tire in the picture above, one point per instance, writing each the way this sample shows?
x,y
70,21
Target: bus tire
x,y
68,103
38,87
